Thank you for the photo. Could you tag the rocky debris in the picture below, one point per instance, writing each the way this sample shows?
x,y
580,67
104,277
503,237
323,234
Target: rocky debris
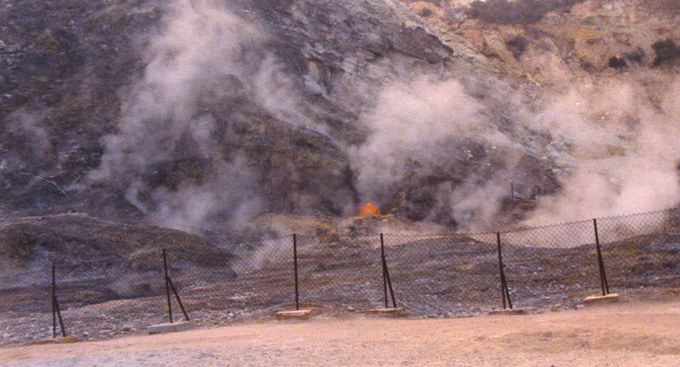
x,y
367,228
338,56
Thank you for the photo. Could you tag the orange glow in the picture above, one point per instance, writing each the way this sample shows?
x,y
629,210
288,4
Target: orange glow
x,y
369,209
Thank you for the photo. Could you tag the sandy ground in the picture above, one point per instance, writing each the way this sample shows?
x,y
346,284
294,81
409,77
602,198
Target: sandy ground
x,y
627,334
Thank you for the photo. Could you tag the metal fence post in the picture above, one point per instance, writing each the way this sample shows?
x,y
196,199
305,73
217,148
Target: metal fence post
x,y
167,285
505,291
382,262
603,275
295,262
54,307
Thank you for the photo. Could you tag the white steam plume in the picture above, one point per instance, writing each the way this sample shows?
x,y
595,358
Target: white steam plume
x,y
613,147
426,124
203,52
621,149
30,126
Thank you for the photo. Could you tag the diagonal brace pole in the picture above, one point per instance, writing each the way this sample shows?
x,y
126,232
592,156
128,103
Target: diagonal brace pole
x,y
170,286
56,311
179,300
387,282
600,262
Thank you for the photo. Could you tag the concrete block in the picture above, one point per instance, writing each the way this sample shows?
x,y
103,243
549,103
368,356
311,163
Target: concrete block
x,y
508,312
602,300
386,312
170,328
301,314
63,340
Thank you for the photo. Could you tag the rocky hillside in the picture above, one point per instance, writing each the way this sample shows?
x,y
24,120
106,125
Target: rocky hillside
x,y
202,115
564,38
65,81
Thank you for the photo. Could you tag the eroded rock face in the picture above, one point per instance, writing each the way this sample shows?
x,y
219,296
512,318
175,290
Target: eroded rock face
x,y
66,85
201,115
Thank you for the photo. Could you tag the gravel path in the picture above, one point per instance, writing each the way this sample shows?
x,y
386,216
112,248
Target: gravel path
x,y
628,334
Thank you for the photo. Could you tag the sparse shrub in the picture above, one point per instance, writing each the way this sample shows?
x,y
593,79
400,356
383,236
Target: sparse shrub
x,y
668,7
636,56
667,52
517,46
425,12
617,62
585,65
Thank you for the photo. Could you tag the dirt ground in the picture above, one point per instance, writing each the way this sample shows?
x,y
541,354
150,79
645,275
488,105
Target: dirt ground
x,y
626,334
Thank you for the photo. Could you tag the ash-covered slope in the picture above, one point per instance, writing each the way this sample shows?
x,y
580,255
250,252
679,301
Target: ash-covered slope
x,y
77,240
203,114
198,110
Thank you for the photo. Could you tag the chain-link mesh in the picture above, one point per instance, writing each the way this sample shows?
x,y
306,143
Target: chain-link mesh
x,y
431,275
554,265
345,272
641,250
443,274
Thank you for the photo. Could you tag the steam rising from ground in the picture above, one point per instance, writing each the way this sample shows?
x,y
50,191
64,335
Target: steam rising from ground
x,y
621,146
422,127
27,125
613,149
203,51
408,123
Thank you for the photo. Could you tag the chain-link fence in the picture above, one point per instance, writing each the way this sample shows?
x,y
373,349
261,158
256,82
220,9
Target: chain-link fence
x,y
430,275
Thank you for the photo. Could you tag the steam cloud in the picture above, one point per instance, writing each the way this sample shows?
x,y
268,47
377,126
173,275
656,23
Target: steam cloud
x,y
424,126
204,52
612,147
620,146
28,126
